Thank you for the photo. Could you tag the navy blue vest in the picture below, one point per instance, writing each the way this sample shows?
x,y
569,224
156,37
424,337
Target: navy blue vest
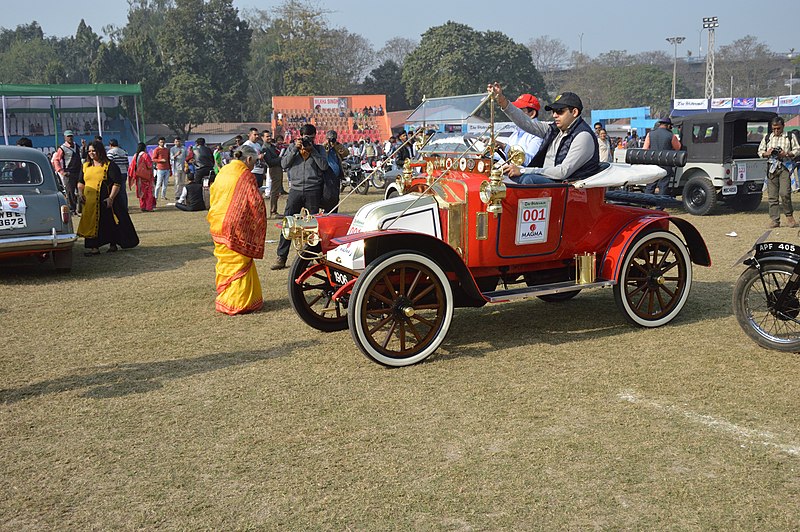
x,y
591,167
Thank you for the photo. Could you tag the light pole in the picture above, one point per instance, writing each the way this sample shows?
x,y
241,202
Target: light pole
x,y
675,41
580,42
710,24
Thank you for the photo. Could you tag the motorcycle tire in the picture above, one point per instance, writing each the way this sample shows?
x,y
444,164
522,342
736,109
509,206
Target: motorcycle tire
x,y
755,312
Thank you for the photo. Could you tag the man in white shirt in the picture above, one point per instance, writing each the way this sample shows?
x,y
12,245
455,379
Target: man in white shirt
x,y
252,141
530,144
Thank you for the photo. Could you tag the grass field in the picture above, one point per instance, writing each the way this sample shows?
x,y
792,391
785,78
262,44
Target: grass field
x,y
128,402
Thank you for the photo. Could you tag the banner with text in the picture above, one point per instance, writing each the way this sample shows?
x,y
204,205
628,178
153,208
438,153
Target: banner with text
x,y
330,103
691,104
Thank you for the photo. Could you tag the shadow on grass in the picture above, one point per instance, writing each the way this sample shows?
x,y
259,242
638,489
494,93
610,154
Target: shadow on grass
x,y
127,379
590,317
124,263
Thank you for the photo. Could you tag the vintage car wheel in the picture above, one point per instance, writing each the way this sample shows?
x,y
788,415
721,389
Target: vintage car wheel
x,y
699,196
310,297
62,260
655,279
558,298
755,309
400,308
393,193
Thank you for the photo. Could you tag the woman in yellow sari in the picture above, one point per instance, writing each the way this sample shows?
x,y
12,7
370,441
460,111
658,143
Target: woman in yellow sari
x,y
238,222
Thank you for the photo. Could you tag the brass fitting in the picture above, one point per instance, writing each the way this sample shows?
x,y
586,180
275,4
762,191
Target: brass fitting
x,y
493,191
301,229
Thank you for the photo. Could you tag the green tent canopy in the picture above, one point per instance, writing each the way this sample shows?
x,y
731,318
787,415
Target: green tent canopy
x,y
56,92
97,89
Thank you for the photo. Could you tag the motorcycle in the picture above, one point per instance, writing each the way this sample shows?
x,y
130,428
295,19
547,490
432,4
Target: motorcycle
x,y
353,176
765,298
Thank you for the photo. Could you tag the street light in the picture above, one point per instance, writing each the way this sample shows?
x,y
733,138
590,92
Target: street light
x,y
675,41
710,23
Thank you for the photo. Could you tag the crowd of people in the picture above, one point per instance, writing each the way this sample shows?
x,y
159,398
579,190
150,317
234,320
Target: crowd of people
x,y
242,175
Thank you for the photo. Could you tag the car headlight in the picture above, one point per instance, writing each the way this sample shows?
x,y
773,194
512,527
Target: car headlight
x,y
301,229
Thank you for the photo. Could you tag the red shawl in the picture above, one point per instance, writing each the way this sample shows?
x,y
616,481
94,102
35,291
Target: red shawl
x,y
244,227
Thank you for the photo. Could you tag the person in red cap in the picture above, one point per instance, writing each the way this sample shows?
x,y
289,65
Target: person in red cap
x,y
569,148
530,144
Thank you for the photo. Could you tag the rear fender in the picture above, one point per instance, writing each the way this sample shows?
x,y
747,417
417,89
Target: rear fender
x,y
376,245
622,241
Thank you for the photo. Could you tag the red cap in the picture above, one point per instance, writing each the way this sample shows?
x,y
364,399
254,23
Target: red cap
x,y
527,100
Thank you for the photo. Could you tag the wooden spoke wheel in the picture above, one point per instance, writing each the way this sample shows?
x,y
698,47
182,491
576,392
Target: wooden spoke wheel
x,y
655,279
400,308
312,298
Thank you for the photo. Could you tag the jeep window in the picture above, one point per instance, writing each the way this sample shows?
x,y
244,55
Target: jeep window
x,y
20,173
756,131
705,133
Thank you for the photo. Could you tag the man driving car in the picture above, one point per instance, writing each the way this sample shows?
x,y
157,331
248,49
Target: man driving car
x,y
569,150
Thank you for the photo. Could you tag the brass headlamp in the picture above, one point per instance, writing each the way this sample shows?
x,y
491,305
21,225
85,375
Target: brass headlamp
x,y
301,229
493,191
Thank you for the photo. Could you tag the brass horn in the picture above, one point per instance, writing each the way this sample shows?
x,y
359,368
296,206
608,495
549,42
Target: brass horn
x,y
516,155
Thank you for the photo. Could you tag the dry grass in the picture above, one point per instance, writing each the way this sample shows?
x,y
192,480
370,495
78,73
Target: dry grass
x,y
129,403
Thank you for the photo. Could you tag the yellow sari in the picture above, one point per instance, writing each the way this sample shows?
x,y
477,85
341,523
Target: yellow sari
x,y
238,223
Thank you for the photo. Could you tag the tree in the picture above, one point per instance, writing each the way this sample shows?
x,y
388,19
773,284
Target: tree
x,y
31,61
455,59
187,95
198,38
295,51
752,65
387,79
549,55
396,50
23,32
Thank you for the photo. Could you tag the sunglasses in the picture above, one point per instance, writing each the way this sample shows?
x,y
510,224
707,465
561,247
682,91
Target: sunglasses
x,y
561,111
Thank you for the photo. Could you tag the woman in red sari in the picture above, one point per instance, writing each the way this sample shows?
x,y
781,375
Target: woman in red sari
x,y
238,223
141,172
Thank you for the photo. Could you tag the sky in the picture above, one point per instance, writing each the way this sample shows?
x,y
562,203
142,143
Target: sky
x,y
590,26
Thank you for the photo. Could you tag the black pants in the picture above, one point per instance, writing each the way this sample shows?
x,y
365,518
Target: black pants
x,y
259,179
297,200
71,188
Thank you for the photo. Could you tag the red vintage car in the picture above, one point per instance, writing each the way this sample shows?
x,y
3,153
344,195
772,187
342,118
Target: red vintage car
x,y
394,272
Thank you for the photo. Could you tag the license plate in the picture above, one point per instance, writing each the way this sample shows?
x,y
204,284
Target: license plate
x,y
339,278
12,220
732,189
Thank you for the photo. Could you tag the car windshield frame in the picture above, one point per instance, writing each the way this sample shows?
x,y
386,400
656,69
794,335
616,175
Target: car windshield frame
x,y
447,109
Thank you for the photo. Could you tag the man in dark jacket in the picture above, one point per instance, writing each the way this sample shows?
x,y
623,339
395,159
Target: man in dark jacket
x,y
661,138
272,159
305,163
203,159
335,153
569,151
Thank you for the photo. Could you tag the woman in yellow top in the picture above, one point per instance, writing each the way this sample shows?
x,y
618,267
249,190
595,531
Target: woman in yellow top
x,y
238,222
105,217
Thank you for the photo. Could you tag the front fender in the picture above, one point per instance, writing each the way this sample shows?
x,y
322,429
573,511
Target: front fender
x,y
622,241
376,245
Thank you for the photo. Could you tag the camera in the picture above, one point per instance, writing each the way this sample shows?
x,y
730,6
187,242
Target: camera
x,y
307,142
775,152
